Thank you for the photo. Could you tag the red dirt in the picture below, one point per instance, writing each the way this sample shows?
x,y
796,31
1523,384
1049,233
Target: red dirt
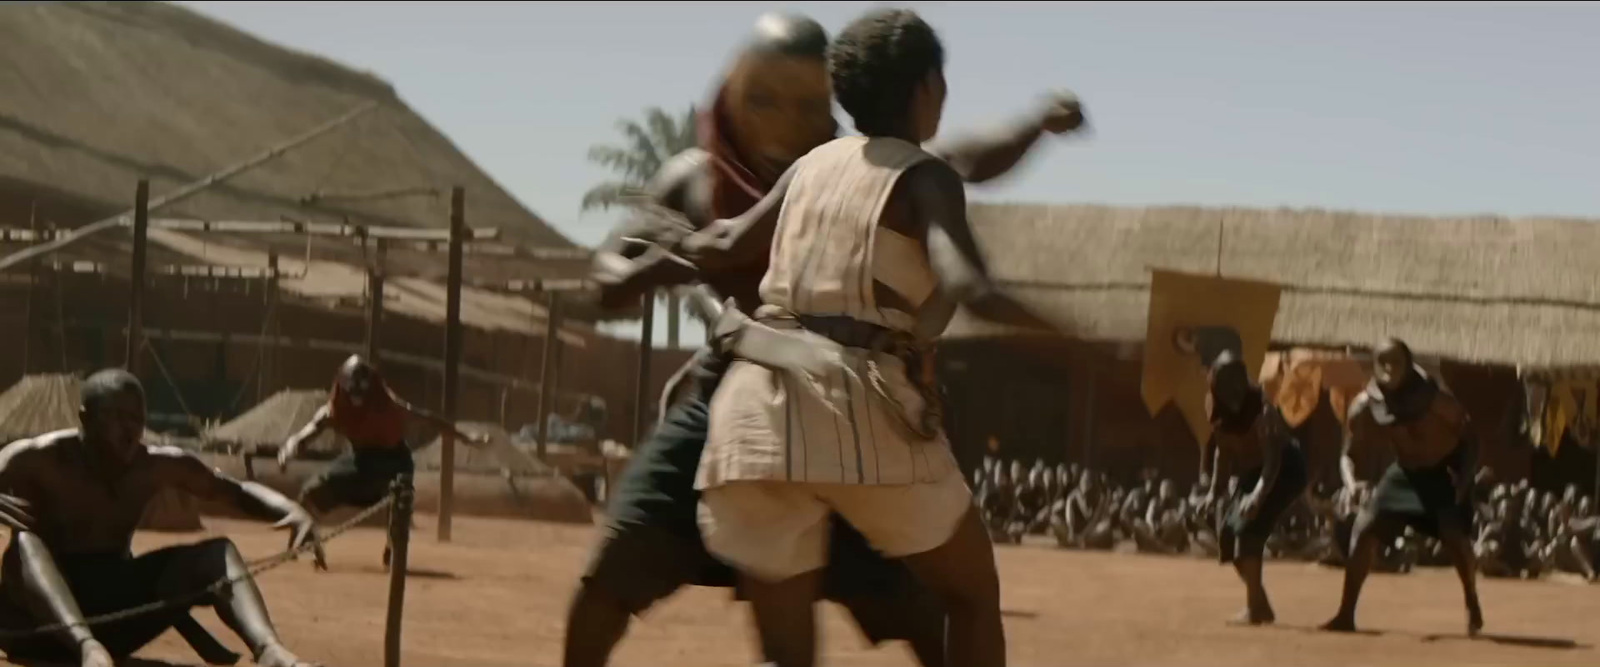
x,y
495,596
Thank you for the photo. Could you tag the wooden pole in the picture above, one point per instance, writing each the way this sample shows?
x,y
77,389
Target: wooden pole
x,y
674,317
268,353
452,361
1596,448
1088,412
375,275
548,367
141,229
641,387
399,543
33,279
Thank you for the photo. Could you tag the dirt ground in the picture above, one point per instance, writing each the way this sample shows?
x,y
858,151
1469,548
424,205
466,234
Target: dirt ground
x,y
494,597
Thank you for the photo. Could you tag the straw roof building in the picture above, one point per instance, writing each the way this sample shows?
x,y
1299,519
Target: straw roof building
x,y
39,404
104,94
1489,298
500,455
271,422
1513,292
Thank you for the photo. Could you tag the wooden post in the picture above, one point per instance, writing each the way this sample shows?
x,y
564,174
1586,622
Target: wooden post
x,y
33,280
399,543
268,353
375,276
548,367
452,361
1089,389
641,387
141,229
674,317
1596,448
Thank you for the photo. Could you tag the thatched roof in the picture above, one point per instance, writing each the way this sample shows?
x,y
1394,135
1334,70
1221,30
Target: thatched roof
x,y
39,404
98,95
271,422
338,274
500,454
1491,290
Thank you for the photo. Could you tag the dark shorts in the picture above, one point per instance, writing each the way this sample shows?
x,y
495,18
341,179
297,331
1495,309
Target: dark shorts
x,y
651,544
1424,499
101,584
1290,485
357,478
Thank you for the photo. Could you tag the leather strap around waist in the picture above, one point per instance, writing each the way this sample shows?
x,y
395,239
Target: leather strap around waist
x,y
851,332
845,331
812,345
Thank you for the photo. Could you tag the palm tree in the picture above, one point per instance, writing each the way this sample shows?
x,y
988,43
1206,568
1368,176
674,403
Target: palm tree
x,y
647,146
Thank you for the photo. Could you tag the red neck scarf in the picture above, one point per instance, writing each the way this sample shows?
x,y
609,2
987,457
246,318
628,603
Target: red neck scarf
x,y
734,188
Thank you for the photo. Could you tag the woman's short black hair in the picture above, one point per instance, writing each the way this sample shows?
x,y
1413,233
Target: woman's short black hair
x,y
878,61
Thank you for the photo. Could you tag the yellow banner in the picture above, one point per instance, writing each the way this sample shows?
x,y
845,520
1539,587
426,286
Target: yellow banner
x,y
1571,408
1192,319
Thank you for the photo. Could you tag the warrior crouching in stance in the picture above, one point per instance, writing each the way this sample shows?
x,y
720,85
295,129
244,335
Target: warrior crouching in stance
x,y
1429,486
366,412
1250,439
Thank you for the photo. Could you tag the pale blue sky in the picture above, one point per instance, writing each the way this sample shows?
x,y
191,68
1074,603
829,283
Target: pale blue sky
x,y
1395,107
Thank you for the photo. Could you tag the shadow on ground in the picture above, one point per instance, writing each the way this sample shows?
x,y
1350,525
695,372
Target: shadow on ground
x,y
1555,643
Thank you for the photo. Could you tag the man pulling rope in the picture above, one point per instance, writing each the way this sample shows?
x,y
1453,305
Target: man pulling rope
x,y
77,498
366,412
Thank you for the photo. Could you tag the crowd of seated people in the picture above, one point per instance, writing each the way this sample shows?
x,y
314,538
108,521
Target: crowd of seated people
x,y
1520,532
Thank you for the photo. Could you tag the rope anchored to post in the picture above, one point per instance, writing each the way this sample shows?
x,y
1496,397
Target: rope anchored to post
x,y
401,493
256,567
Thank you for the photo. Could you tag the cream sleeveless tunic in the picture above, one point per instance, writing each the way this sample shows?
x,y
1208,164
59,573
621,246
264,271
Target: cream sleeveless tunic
x,y
828,252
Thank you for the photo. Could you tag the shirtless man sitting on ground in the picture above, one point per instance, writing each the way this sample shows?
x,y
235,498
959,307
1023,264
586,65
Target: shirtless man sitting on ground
x,y
1085,522
86,490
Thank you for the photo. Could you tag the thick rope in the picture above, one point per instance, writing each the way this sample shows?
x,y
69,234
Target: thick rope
x,y
255,567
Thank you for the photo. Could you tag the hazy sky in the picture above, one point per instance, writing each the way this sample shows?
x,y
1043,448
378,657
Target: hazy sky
x,y
1421,108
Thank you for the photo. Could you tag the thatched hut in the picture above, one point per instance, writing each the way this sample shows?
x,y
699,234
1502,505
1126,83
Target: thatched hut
x,y
1481,296
498,480
266,426
154,90
500,455
39,404
503,478
79,132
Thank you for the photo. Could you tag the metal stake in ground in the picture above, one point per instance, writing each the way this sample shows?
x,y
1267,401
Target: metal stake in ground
x,y
399,541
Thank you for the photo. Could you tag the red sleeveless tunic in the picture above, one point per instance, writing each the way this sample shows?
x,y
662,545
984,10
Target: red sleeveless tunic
x,y
379,422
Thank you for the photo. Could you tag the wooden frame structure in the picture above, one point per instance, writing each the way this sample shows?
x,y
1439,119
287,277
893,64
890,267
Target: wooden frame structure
x,y
457,241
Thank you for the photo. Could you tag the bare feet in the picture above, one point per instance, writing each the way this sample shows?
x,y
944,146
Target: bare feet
x,y
1474,620
1340,623
321,557
278,656
94,655
1248,617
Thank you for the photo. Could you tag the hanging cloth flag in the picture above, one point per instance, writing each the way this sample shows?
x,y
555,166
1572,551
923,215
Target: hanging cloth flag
x,y
1192,319
1570,409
